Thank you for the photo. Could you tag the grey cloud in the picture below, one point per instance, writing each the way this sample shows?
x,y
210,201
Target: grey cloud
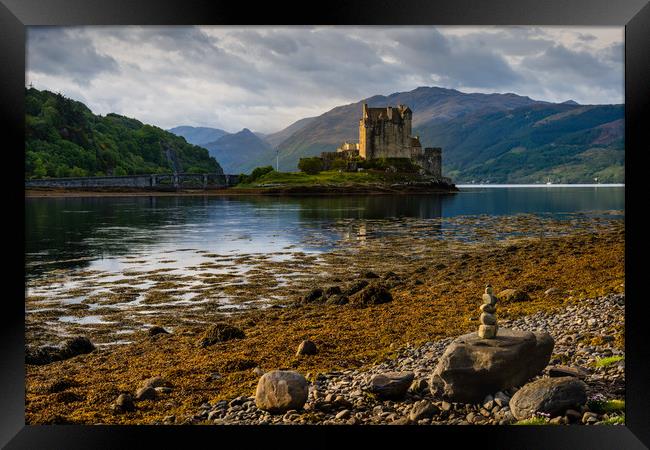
x,y
66,52
263,78
452,59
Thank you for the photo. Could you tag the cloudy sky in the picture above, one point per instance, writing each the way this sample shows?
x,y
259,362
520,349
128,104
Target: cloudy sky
x,y
265,78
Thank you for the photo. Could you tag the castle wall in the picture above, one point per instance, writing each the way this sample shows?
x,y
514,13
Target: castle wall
x,y
430,160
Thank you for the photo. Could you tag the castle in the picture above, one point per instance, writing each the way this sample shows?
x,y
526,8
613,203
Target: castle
x,y
386,133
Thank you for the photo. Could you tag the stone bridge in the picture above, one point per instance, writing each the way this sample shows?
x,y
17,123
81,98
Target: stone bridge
x,y
158,181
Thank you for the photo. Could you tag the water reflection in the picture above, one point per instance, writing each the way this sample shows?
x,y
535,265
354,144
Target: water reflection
x,y
64,233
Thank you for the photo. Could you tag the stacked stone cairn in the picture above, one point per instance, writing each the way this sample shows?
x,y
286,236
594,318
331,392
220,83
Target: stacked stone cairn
x,y
488,319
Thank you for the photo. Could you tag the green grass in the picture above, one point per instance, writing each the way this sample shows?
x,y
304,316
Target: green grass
x,y
616,420
534,421
608,406
604,362
327,177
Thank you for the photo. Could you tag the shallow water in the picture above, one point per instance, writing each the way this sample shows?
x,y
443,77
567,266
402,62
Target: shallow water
x,y
95,261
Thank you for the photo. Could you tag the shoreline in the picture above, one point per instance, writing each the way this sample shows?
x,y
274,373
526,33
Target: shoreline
x,y
431,302
273,192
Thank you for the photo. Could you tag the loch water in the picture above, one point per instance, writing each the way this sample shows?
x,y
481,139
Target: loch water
x,y
97,232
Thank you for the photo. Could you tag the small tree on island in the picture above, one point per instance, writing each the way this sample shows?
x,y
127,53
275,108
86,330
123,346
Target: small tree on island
x,y
310,166
256,174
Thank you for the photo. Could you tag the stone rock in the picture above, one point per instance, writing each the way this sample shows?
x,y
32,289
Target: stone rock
x,y
390,385
472,367
513,295
487,331
337,300
279,391
566,371
401,421
78,345
258,371
306,347
70,348
418,386
488,308
501,399
124,403
155,330
146,393
423,409
488,319
370,274
356,287
589,418
572,415
549,396
220,332
163,390
314,296
333,290
373,294
342,415
552,291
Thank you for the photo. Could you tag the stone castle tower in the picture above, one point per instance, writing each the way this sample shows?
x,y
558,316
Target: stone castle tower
x,y
386,133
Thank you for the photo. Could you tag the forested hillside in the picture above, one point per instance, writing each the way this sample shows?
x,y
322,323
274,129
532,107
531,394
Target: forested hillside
x,y
63,138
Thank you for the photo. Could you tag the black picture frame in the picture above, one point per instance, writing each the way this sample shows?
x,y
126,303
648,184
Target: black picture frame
x,y
15,15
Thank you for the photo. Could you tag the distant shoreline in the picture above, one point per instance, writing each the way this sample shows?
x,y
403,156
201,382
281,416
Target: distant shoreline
x,y
539,185
60,193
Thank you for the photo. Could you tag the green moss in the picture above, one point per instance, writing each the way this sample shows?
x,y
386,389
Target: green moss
x,y
616,420
607,406
604,362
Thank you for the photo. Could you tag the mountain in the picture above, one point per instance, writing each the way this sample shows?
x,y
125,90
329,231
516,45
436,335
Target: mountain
x,y
564,142
495,137
198,135
241,152
64,138
429,104
276,138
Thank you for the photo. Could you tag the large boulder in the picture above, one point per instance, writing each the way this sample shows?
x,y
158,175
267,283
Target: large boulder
x,y
551,396
390,385
473,367
281,390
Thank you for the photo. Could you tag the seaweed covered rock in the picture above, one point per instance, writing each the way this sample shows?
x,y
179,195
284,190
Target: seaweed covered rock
x,y
337,300
551,396
281,390
307,347
373,294
156,330
316,295
220,332
72,347
513,295
124,403
356,287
